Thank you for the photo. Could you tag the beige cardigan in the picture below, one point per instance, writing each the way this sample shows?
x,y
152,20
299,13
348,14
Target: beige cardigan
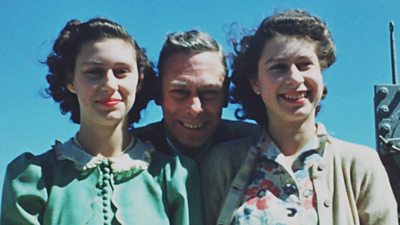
x,y
351,183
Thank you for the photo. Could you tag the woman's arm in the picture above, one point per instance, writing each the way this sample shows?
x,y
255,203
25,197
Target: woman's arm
x,y
24,192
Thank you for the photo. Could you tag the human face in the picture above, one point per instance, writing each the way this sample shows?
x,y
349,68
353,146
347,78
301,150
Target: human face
x,y
289,79
105,80
193,97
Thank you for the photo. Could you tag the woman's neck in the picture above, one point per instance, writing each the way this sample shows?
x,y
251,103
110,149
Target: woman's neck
x,y
289,136
107,141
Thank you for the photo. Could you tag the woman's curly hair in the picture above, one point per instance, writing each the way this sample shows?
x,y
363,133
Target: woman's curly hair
x,y
61,63
297,23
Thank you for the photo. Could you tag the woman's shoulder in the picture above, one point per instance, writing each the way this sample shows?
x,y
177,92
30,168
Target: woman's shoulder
x,y
346,150
29,174
351,149
227,157
30,163
355,155
25,177
233,148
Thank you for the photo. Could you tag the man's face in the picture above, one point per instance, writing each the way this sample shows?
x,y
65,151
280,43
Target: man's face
x,y
192,97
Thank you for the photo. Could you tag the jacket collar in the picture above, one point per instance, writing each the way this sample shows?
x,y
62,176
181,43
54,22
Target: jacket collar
x,y
136,156
269,149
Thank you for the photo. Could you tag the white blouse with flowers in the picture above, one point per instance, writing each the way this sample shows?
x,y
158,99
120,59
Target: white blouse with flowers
x,y
278,194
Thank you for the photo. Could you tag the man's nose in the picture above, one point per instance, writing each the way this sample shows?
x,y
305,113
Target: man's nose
x,y
195,105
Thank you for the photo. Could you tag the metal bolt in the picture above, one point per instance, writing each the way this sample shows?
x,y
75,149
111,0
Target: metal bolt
x,y
384,129
383,91
384,109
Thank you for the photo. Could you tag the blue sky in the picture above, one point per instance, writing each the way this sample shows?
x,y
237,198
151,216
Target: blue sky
x,y
29,122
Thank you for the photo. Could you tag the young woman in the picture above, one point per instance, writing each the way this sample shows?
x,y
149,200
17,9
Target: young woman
x,y
98,73
294,172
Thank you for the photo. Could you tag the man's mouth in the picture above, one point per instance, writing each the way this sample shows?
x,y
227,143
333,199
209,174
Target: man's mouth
x,y
193,126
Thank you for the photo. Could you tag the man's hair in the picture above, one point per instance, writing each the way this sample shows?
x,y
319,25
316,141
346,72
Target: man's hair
x,y
188,42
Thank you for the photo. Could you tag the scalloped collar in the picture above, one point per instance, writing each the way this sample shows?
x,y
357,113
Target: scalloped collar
x,y
136,156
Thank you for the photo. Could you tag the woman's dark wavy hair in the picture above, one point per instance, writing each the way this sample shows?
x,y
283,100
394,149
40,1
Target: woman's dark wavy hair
x,y
61,63
296,23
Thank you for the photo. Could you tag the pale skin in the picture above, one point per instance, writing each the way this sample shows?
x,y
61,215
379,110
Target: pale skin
x,y
105,80
290,83
193,97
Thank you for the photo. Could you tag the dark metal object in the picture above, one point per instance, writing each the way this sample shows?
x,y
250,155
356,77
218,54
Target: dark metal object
x,y
393,52
387,109
387,123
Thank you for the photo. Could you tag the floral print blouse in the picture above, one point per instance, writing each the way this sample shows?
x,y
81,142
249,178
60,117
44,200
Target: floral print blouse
x,y
279,192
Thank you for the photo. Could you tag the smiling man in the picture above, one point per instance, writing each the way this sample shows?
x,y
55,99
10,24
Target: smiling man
x,y
192,97
192,89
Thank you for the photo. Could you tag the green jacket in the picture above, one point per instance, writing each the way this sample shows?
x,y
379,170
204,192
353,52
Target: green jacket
x,y
68,186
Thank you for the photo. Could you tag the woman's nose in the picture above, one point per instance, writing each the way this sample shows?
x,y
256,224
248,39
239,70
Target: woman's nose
x,y
295,76
110,82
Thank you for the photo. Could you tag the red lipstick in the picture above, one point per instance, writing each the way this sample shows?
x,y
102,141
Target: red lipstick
x,y
109,102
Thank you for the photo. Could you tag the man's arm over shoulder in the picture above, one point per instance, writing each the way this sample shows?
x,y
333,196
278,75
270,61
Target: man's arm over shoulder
x,y
231,130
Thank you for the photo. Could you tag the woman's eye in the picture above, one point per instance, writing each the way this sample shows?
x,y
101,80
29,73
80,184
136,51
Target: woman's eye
x,y
121,72
94,73
279,67
303,66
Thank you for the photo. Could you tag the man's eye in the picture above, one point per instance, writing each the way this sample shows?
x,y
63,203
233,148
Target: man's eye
x,y
209,95
179,94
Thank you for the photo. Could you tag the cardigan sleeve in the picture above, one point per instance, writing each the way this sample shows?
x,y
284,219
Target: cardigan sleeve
x,y
24,194
376,203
